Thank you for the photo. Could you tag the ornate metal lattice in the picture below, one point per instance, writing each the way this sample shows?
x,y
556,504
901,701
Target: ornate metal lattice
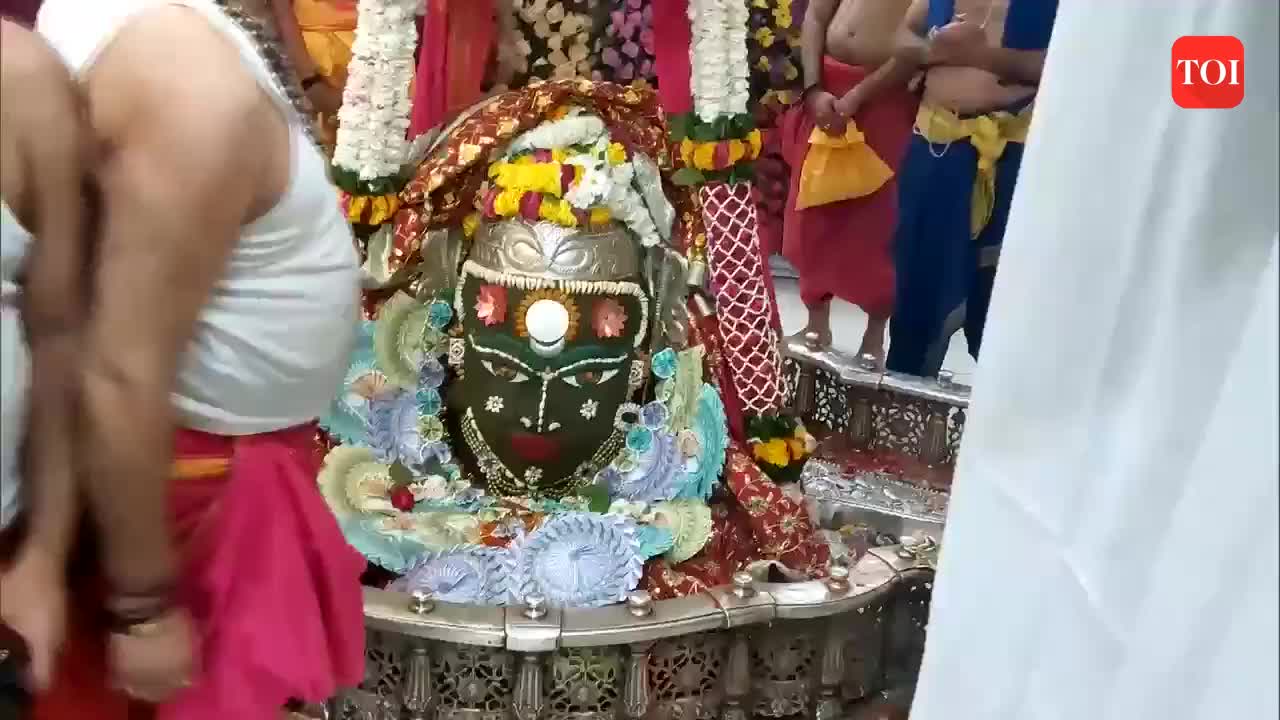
x,y
585,683
474,683
684,675
784,663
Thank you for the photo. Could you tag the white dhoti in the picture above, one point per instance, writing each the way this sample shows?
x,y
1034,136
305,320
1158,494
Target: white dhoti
x,y
1111,552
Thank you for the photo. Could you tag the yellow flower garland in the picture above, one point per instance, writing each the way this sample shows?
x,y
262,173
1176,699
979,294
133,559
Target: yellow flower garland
x,y
527,177
702,155
525,174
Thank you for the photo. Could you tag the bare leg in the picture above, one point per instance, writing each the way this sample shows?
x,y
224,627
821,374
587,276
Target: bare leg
x,y
873,338
820,322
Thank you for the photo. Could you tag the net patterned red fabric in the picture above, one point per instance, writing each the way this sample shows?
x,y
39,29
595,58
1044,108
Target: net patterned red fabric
x,y
743,302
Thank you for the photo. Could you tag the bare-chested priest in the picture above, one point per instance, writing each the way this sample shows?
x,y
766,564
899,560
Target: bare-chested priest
x,y
838,236
982,61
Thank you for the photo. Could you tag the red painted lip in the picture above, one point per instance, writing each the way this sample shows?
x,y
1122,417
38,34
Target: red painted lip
x,y
535,448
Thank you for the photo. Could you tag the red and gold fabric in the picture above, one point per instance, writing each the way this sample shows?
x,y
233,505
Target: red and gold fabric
x,y
780,525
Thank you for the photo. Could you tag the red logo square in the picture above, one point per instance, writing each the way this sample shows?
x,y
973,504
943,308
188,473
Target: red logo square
x,y
1208,71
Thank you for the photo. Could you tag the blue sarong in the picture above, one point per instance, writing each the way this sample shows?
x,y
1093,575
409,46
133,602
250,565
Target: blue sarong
x,y
944,274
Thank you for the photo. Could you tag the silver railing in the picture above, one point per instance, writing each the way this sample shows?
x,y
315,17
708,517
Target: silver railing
x,y
752,649
918,420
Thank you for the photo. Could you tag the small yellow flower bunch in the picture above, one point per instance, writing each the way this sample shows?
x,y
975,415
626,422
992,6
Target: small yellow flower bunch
x,y
781,445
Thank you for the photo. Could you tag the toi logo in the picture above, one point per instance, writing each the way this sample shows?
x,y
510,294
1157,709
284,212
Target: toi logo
x,y
1208,71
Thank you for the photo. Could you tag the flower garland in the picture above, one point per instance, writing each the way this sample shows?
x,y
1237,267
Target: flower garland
x,y
374,119
718,140
568,171
721,74
721,150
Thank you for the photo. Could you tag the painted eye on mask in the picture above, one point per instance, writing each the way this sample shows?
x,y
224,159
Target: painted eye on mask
x,y
504,372
590,378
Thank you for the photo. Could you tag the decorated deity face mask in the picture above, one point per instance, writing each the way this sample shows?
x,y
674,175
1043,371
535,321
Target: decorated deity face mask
x,y
553,323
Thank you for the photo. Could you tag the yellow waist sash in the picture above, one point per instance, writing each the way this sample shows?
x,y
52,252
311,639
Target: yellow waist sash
x,y
989,134
328,31
839,167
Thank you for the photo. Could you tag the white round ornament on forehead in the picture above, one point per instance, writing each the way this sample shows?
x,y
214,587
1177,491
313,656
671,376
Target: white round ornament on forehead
x,y
548,324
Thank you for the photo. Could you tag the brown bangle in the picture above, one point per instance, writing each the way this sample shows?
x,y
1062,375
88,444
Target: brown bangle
x,y
311,80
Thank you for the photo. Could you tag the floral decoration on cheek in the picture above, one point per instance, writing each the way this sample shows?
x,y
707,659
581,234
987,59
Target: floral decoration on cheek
x,y
608,318
491,305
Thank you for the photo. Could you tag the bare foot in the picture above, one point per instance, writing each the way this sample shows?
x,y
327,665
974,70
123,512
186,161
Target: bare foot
x,y
818,328
873,341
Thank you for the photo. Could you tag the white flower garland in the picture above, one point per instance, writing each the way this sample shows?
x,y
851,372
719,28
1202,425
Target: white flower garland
x,y
374,119
721,73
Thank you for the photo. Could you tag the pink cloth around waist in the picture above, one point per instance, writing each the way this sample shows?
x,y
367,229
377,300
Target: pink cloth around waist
x,y
272,584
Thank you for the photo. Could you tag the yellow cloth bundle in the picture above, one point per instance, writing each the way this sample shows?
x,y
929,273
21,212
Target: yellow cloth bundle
x,y
989,134
839,168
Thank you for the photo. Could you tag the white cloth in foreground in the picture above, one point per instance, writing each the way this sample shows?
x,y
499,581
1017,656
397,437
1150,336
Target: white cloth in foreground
x,y
1111,551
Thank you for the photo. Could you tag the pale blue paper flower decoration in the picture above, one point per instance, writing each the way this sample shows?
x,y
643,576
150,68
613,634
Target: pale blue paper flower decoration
x,y
577,560
432,374
429,401
654,415
665,363
639,439
393,430
654,540
657,474
464,574
347,419
712,430
439,314
396,553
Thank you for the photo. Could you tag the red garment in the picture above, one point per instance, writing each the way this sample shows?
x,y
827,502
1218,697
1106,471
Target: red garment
x,y
456,41
672,37
844,249
272,586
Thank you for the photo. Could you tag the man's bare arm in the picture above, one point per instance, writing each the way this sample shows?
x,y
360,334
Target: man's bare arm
x,y
1019,66
54,148
291,35
911,45
184,162
813,38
